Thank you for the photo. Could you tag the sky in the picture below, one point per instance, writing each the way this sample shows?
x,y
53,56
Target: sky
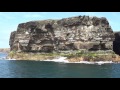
x,y
10,20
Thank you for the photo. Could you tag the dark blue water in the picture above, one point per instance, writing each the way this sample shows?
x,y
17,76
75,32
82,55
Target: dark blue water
x,y
42,69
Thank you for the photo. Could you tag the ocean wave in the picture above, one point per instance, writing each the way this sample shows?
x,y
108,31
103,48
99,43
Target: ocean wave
x,y
98,62
10,59
64,60
5,58
60,59
2,58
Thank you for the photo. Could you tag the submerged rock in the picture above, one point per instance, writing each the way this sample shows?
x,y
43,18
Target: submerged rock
x,y
74,33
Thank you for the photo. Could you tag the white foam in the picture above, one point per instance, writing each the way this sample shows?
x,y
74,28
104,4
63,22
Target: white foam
x,y
2,58
10,59
103,62
64,60
84,62
98,62
60,59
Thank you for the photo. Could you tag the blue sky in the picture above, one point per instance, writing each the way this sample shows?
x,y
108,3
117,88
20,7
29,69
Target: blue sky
x,y
10,20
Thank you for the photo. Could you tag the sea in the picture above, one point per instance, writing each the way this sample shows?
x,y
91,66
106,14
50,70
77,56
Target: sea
x,y
56,68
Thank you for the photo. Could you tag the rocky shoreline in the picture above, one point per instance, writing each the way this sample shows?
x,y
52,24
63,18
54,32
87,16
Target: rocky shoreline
x,y
73,57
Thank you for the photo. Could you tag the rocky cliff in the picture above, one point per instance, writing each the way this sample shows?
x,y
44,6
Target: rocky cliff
x,y
116,43
74,33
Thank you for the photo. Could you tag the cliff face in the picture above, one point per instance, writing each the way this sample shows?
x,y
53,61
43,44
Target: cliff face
x,y
12,40
82,32
116,43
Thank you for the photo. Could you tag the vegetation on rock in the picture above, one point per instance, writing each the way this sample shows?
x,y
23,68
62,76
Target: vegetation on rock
x,y
73,57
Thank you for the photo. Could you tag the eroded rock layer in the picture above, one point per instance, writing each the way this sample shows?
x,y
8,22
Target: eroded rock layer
x,y
74,33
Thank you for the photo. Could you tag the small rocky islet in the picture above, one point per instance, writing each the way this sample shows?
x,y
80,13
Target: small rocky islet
x,y
4,50
78,38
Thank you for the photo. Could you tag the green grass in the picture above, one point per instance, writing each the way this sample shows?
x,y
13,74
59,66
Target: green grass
x,y
88,55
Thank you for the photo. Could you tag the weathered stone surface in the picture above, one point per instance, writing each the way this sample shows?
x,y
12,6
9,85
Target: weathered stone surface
x,y
81,32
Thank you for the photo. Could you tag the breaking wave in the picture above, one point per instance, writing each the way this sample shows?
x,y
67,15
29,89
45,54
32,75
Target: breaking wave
x,y
2,58
98,62
10,59
60,59
64,60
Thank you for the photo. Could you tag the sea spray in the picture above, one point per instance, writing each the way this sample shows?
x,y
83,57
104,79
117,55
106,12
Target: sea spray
x,y
60,59
10,59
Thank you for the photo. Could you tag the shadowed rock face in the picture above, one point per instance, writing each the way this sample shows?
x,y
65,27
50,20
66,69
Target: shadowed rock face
x,y
116,43
81,32
12,39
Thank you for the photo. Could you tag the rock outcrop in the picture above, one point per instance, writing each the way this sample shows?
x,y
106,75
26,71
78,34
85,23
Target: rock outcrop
x,y
74,33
